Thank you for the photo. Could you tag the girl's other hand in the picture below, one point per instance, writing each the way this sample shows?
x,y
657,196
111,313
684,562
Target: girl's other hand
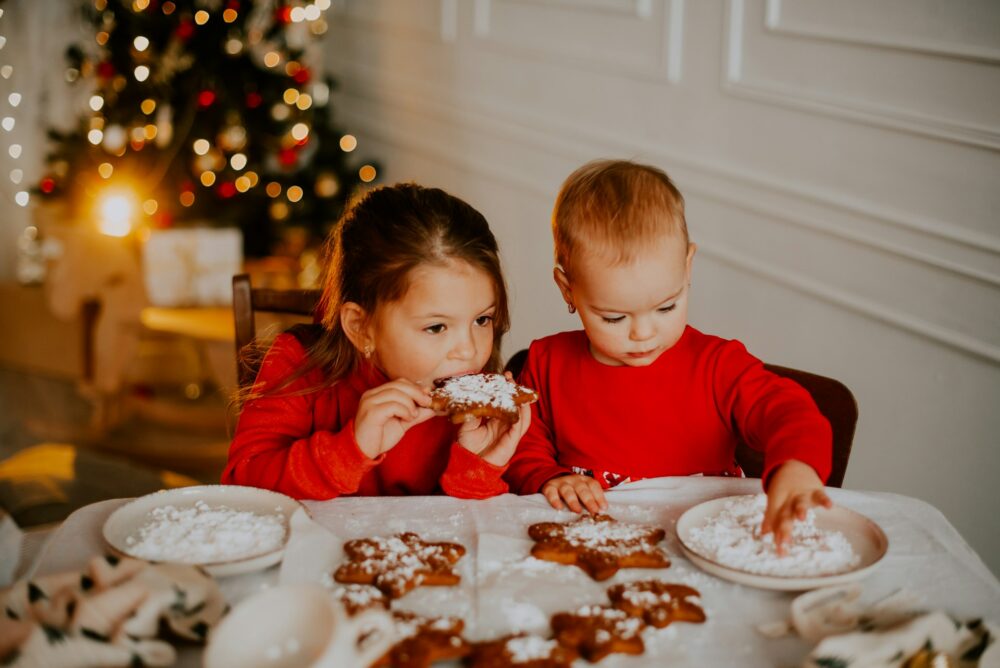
x,y
493,439
574,490
794,488
386,412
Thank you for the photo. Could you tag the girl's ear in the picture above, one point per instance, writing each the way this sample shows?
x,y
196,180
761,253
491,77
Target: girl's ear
x,y
692,247
355,322
562,280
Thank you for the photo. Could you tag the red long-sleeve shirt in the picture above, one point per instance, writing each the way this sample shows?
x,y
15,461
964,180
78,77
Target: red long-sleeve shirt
x,y
303,444
677,416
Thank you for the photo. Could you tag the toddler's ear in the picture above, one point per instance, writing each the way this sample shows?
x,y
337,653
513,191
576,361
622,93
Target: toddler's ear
x,y
562,281
692,247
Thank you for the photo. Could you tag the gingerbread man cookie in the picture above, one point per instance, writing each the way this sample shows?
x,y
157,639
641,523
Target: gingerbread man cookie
x,y
658,603
424,640
521,650
400,563
599,544
597,630
480,395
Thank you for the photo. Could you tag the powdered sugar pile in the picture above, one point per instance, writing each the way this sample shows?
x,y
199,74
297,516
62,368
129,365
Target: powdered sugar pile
x,y
530,648
732,538
204,534
608,537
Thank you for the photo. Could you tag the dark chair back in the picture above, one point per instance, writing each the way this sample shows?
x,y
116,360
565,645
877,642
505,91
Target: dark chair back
x,y
835,402
248,301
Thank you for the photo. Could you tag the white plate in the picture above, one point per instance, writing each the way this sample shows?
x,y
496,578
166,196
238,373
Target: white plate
x,y
127,520
866,537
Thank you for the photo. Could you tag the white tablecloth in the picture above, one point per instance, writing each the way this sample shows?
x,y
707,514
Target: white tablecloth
x,y
502,590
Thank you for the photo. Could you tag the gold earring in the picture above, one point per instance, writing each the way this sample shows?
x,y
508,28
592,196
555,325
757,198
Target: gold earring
x,y
368,351
572,309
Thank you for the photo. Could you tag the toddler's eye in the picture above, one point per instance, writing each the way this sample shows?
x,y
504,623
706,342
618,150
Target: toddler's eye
x,y
484,320
434,329
612,321
667,309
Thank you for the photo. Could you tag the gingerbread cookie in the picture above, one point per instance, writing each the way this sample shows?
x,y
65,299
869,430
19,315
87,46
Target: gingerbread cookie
x,y
597,630
474,395
359,597
400,563
657,603
424,640
599,544
521,650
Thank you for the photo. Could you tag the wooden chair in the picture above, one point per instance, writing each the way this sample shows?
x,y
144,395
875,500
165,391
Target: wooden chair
x,y
835,402
247,302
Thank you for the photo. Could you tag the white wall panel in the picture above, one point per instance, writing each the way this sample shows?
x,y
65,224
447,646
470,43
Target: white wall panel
x,y
839,160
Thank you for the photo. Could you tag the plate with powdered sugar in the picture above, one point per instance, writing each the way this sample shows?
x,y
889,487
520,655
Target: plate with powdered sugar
x,y
831,546
226,529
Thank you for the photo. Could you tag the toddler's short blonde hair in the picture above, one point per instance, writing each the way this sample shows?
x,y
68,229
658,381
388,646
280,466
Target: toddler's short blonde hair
x,y
613,208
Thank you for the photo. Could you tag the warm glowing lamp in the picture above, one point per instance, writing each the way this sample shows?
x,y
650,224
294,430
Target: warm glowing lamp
x,y
116,209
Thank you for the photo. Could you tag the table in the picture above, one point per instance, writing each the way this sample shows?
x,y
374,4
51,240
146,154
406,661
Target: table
x,y
501,589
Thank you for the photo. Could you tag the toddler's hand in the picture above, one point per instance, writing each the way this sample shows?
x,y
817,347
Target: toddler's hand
x,y
494,439
794,488
386,412
574,490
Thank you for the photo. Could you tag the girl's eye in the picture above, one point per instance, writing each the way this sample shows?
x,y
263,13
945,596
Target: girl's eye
x,y
667,309
434,329
484,320
612,321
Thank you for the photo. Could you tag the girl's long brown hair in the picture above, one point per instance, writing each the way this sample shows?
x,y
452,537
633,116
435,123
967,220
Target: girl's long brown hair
x,y
369,257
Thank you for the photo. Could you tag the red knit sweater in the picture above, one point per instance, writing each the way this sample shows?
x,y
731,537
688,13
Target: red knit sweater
x,y
674,417
303,444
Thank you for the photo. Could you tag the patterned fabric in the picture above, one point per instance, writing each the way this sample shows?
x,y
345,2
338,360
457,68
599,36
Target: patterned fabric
x,y
107,615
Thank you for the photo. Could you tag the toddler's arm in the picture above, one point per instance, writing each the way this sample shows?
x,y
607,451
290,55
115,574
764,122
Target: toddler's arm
x,y
793,488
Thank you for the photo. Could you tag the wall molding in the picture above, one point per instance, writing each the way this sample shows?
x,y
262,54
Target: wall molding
x,y
666,65
792,280
775,94
447,30
566,140
776,23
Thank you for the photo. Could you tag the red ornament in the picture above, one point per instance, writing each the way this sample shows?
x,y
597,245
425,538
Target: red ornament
x,y
206,98
185,29
163,219
287,156
233,4
254,100
283,14
105,70
302,76
226,189
47,185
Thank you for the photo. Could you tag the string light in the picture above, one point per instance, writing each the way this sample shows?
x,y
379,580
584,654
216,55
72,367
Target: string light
x,y
96,102
348,143
140,43
201,17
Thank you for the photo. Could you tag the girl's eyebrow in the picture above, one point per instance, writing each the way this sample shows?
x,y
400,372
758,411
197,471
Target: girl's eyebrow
x,y
662,301
444,316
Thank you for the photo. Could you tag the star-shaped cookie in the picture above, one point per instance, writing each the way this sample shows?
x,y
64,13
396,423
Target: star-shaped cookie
x,y
480,395
658,603
521,650
598,630
399,563
599,544
424,640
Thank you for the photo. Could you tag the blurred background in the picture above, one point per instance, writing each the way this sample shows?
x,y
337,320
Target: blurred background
x,y
839,160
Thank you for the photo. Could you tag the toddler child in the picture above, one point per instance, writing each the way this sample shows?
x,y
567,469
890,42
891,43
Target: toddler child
x,y
639,393
413,293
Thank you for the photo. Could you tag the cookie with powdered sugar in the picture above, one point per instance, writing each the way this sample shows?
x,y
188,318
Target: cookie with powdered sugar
x,y
598,630
599,544
520,650
658,603
489,395
399,563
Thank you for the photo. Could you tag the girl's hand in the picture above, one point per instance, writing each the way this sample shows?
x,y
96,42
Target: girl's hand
x,y
386,412
794,488
492,439
574,490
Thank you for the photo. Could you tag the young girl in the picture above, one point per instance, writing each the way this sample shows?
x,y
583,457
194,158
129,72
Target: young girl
x,y
413,293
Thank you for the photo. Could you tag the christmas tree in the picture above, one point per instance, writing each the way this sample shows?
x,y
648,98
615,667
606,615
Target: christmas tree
x,y
207,112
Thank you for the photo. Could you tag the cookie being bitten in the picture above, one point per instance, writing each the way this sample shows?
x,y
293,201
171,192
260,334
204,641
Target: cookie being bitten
x,y
474,395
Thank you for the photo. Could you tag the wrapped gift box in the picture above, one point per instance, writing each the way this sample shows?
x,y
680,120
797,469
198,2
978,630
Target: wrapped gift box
x,y
192,267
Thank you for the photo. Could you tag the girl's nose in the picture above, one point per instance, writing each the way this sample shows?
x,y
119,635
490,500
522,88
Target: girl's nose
x,y
464,348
